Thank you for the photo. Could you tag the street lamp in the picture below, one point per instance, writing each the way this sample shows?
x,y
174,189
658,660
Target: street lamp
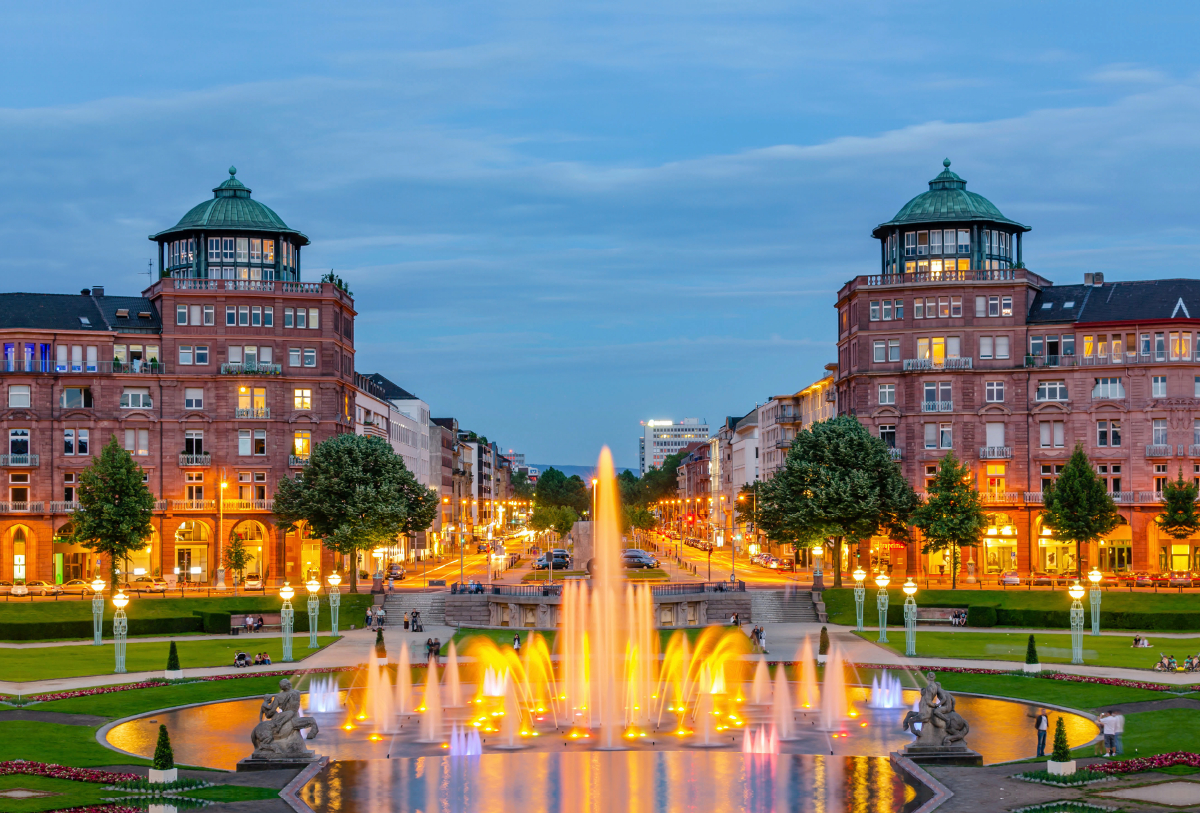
x,y
120,630
818,550
314,611
1076,593
97,611
860,595
335,598
910,619
221,531
881,602
286,616
1095,577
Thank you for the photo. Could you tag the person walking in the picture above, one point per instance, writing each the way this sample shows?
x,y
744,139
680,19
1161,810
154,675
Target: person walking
x,y
1120,730
762,640
1108,722
1042,724
437,651
370,617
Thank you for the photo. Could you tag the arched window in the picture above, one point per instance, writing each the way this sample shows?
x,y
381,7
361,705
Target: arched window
x,y
192,531
19,563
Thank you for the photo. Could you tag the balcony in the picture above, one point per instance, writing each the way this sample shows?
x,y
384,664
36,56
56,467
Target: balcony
x,y
975,275
1149,497
937,406
374,429
995,452
15,460
990,497
193,505
248,505
1194,450
63,507
1033,496
788,414
1122,497
965,363
260,412
160,505
197,284
783,443
302,287
297,461
22,507
194,460
249,285
894,453
1158,450
250,368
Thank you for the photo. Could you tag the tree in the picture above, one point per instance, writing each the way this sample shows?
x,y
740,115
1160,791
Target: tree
x,y
164,756
1078,507
235,557
952,518
557,518
661,483
555,488
630,488
354,493
115,506
1031,656
637,518
522,486
838,482
1179,518
1062,750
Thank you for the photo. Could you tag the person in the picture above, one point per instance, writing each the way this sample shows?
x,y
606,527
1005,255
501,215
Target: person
x,y
266,659
1041,723
417,625
1120,729
1171,664
380,617
428,648
517,642
762,640
249,622
406,620
1108,722
370,617
437,651
1137,640
258,625
258,659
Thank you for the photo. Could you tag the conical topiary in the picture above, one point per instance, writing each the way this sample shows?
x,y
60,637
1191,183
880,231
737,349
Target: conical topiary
x,y
824,647
1062,751
380,648
1031,651
164,757
173,659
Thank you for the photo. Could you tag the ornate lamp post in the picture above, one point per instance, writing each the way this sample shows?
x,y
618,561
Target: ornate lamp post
x,y
910,619
314,611
881,602
818,550
1076,593
286,617
97,611
860,595
120,630
1095,577
335,599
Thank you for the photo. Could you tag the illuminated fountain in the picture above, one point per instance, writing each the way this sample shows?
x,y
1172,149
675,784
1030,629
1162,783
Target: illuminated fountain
x,y
324,695
834,706
431,706
807,697
377,705
453,684
763,741
886,692
465,743
404,701
782,707
760,689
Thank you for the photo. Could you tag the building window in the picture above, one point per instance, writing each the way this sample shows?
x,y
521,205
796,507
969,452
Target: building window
x,y
931,436
193,398
260,442
193,442
994,392
268,317
1050,473
137,442
938,396
1160,477
887,393
955,306
986,347
310,357
76,398
244,315
910,244
1158,386
68,441
231,315
256,251
1052,391
1051,434
256,316
1196,431
1108,433
302,443
136,398
887,433
945,437
313,320
918,308
1110,475
893,349
185,354
288,317
886,305
1160,347
303,399
1159,432
18,395
874,311
181,314
194,484
880,350
1108,388
964,241
81,440
245,442
269,251
922,243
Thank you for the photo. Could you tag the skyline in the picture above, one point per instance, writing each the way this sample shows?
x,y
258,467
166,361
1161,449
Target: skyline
x,y
593,217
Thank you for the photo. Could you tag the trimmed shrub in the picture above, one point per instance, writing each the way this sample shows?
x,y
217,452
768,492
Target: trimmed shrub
x,y
1031,656
164,757
981,615
1062,752
217,623
823,649
173,659
380,648
37,630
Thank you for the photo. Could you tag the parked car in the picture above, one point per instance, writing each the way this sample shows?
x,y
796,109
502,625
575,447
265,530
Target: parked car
x,y
1174,578
638,558
786,563
253,582
38,588
1142,579
19,589
1010,578
77,587
146,584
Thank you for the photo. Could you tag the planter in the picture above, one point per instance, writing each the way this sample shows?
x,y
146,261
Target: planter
x,y
173,674
821,658
172,775
1031,668
1060,768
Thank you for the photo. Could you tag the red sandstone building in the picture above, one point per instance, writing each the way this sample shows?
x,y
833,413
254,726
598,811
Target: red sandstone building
x,y
218,379
955,345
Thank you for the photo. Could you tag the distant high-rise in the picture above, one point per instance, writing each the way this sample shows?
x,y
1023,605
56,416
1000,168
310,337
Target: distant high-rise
x,y
661,439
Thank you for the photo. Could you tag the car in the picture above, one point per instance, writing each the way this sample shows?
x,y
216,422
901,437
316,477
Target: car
x,y
638,558
394,571
5,588
146,584
784,564
38,587
1010,578
77,587
1178,578
253,582
1142,579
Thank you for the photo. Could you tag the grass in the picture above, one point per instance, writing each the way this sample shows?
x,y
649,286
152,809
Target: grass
x,y
1156,732
1106,650
233,793
63,744
74,794
75,661
544,575
839,603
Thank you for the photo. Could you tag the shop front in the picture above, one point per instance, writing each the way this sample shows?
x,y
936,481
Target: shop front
x,y
1054,555
71,560
254,539
999,548
191,552
1114,553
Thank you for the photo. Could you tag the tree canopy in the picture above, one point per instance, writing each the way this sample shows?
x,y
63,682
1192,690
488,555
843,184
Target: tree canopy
x,y
837,483
521,485
1077,505
952,517
557,489
115,507
354,493
1179,519
558,518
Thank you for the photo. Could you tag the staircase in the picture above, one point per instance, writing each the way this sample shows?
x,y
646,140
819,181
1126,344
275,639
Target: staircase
x,y
771,607
431,606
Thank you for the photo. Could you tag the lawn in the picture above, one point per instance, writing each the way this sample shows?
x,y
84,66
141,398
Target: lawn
x,y
74,661
63,744
234,793
73,794
1105,650
1156,732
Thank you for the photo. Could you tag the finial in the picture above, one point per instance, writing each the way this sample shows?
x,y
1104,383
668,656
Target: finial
x,y
945,163
233,170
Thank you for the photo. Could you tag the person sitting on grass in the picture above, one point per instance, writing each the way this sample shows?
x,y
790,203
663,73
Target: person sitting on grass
x,y
1187,664
1171,664
266,659
1162,665
1137,640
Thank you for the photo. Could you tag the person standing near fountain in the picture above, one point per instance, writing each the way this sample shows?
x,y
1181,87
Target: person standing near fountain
x,y
1041,722
517,642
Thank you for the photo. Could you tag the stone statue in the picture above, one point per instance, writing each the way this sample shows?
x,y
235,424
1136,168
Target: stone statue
x,y
942,736
543,616
278,734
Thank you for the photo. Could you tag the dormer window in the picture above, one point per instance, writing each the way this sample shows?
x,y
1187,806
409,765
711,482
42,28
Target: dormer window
x,y
122,313
83,320
1070,304
1047,306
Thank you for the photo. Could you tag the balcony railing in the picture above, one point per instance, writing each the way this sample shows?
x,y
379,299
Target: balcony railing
x,y
193,505
783,443
63,507
788,414
990,497
248,505
894,453
22,507
1033,496
260,412
249,285
1123,497
19,460
194,460
1149,496
1159,450
160,505
995,452
976,275
964,363
197,284
937,406
249,368
296,461
302,287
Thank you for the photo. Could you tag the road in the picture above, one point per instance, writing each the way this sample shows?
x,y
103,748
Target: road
x,y
721,565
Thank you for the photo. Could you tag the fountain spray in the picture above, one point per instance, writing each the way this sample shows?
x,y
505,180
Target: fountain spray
x,y
404,702
453,685
431,713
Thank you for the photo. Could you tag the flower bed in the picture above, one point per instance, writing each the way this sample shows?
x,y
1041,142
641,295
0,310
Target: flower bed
x,y
105,808
966,670
150,684
1153,763
49,769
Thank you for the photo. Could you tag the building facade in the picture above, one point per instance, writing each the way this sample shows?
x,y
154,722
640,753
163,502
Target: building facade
x,y
954,346
783,416
661,439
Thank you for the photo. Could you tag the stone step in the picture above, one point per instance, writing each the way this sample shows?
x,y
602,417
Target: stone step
x,y
432,607
772,606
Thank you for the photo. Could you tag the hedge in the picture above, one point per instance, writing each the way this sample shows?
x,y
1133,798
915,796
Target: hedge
x,y
34,631
1061,619
214,623
981,615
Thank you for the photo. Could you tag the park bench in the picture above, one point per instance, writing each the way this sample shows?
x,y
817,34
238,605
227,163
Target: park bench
x,y
935,615
271,621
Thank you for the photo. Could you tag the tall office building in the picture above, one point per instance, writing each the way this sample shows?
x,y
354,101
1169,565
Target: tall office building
x,y
661,439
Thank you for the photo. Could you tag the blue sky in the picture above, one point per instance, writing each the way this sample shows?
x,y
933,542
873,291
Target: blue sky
x,y
559,219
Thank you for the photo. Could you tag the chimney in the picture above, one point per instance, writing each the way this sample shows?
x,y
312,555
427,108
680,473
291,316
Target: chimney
x,y
1099,278
1087,279
86,292
97,290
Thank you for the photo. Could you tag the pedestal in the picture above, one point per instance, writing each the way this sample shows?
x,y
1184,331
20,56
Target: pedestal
x,y
169,775
221,578
1032,668
1060,768
173,674
252,764
941,755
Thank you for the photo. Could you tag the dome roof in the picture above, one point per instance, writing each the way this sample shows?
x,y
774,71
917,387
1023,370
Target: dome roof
x,y
231,209
947,200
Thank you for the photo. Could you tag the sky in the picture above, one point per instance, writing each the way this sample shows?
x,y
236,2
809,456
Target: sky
x,y
560,219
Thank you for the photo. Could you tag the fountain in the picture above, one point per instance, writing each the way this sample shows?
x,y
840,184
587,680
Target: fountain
x,y
431,706
510,723
886,692
760,689
494,682
808,697
453,685
762,742
324,695
377,705
942,737
404,701
834,706
782,709
705,721
465,743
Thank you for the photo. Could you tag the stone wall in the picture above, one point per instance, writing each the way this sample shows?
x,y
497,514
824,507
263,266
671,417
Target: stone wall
x,y
542,612
723,605
467,610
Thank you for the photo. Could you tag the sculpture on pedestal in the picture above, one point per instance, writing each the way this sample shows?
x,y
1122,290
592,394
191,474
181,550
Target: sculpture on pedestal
x,y
942,736
279,734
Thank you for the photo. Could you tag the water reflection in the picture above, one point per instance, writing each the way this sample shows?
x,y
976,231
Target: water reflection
x,y
635,781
